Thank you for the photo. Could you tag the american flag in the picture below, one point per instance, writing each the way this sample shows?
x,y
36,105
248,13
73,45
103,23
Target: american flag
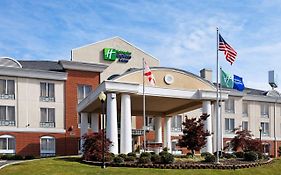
x,y
148,74
229,52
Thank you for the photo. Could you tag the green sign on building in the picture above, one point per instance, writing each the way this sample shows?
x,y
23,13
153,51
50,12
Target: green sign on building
x,y
113,54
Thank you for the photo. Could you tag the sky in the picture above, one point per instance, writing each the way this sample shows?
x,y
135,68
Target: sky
x,y
180,33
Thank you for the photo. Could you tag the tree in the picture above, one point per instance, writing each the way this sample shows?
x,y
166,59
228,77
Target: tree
x,y
194,135
244,141
92,147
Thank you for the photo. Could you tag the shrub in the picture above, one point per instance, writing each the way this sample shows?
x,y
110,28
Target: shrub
x,y
133,154
210,158
156,158
165,149
167,158
92,147
29,157
229,156
250,156
124,156
130,158
144,160
205,154
260,155
145,154
239,154
118,160
8,157
17,157
163,152
189,155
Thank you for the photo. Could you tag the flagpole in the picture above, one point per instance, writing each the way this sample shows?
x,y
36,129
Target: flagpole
x,y
144,125
221,134
217,99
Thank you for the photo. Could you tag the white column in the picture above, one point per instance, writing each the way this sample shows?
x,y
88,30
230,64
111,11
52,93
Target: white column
x,y
206,109
83,126
111,122
126,125
95,122
167,134
158,129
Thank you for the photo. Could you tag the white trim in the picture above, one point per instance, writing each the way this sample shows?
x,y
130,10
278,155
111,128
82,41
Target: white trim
x,y
14,60
83,66
31,73
7,136
133,88
45,130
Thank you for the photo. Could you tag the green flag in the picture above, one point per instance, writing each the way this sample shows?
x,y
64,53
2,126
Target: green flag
x,y
226,80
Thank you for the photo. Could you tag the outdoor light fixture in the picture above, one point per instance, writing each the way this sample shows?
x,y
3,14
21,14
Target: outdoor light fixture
x,y
260,136
102,98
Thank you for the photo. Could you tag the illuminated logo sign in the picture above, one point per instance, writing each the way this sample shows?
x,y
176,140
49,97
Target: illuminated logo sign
x,y
113,54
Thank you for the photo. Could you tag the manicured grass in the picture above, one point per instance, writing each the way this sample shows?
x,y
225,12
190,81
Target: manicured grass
x,y
70,166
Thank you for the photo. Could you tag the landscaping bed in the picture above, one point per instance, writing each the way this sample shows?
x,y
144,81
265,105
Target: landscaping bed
x,y
224,164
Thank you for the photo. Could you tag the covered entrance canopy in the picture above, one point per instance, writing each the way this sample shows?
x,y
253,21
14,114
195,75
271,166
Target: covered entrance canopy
x,y
176,91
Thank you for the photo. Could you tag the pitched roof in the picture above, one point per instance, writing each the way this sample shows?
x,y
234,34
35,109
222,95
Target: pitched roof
x,y
42,65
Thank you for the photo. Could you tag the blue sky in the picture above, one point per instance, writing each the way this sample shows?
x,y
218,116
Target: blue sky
x,y
180,34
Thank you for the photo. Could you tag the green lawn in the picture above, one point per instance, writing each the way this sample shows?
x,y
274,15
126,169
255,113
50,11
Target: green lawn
x,y
68,166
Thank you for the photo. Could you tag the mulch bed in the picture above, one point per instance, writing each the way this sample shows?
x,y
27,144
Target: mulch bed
x,y
224,164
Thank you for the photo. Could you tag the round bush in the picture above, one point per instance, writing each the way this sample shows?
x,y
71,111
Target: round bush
x,y
205,154
118,160
124,156
163,152
239,154
144,160
210,158
167,158
156,158
145,154
250,156
130,158
229,156
132,154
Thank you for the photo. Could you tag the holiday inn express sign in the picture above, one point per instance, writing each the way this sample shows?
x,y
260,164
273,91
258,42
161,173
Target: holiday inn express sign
x,y
113,54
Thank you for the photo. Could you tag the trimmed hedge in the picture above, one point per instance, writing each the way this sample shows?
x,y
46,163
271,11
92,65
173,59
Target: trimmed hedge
x,y
118,160
144,160
250,156
167,158
146,154
239,154
210,158
156,158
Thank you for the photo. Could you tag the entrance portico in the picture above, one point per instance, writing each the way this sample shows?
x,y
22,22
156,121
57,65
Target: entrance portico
x,y
176,92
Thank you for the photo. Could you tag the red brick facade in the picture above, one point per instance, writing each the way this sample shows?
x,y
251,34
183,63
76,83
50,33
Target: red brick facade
x,y
28,143
75,78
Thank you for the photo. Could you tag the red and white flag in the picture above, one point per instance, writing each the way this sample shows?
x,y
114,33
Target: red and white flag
x,y
148,74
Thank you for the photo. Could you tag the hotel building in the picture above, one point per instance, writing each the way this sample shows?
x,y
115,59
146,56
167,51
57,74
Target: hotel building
x,y
46,106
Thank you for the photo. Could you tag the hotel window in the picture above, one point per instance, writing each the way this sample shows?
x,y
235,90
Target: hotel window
x,y
47,117
7,116
245,109
47,146
264,110
244,125
265,128
177,123
7,144
150,123
229,105
47,92
229,125
83,91
7,89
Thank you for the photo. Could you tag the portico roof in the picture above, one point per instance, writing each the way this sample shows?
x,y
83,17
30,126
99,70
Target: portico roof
x,y
184,92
